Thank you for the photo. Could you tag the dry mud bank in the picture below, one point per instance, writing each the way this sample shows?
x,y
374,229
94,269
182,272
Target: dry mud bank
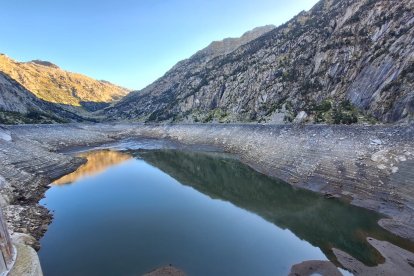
x,y
372,166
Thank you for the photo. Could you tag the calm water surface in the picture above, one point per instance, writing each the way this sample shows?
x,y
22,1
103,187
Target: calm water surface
x,y
126,213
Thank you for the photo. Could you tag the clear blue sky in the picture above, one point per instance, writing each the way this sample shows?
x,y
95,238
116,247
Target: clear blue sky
x,y
129,42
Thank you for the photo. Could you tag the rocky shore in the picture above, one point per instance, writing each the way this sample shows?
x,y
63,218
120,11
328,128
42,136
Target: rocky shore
x,y
371,166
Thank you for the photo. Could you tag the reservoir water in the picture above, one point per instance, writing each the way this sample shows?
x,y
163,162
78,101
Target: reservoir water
x,y
129,212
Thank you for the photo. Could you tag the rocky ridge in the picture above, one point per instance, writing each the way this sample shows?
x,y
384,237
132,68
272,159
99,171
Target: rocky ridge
x,y
228,45
340,62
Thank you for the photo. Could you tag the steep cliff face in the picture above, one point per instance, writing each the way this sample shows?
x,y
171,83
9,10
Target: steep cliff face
x,y
340,61
18,105
52,84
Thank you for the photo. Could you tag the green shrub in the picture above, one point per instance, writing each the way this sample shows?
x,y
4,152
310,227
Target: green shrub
x,y
341,117
208,118
324,106
346,105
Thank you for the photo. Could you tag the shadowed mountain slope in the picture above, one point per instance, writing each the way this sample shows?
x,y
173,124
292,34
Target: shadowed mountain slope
x,y
322,222
339,62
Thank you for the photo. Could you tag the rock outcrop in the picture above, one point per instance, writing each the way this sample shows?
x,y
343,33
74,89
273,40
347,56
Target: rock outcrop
x,y
340,62
397,261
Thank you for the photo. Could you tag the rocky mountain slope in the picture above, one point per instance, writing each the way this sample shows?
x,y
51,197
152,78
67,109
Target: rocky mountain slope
x,y
340,62
228,45
50,83
18,105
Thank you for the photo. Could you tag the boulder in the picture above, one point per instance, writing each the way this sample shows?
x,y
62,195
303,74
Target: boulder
x,y
5,134
301,118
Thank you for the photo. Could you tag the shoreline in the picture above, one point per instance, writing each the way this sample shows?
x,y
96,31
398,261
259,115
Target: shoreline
x,y
370,166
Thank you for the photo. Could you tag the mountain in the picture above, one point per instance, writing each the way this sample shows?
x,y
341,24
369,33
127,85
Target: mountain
x,y
134,107
228,45
18,105
51,84
341,62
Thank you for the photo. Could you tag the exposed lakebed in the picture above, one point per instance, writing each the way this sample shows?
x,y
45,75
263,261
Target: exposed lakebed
x,y
128,212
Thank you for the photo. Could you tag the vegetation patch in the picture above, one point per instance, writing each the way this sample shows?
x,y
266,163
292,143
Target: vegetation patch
x,y
32,117
335,112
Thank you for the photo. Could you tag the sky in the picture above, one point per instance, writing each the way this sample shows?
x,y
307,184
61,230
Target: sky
x,y
129,42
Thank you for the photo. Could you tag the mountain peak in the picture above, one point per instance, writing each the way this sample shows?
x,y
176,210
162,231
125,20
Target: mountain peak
x,y
228,45
44,63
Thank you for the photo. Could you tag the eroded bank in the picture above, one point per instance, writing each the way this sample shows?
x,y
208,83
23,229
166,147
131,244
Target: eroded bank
x,y
371,166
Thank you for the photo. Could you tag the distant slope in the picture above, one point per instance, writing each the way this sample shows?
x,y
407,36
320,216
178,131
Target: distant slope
x,y
182,71
18,105
52,84
228,45
342,60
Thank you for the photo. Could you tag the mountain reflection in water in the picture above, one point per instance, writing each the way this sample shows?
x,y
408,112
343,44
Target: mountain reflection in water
x,y
97,162
324,223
